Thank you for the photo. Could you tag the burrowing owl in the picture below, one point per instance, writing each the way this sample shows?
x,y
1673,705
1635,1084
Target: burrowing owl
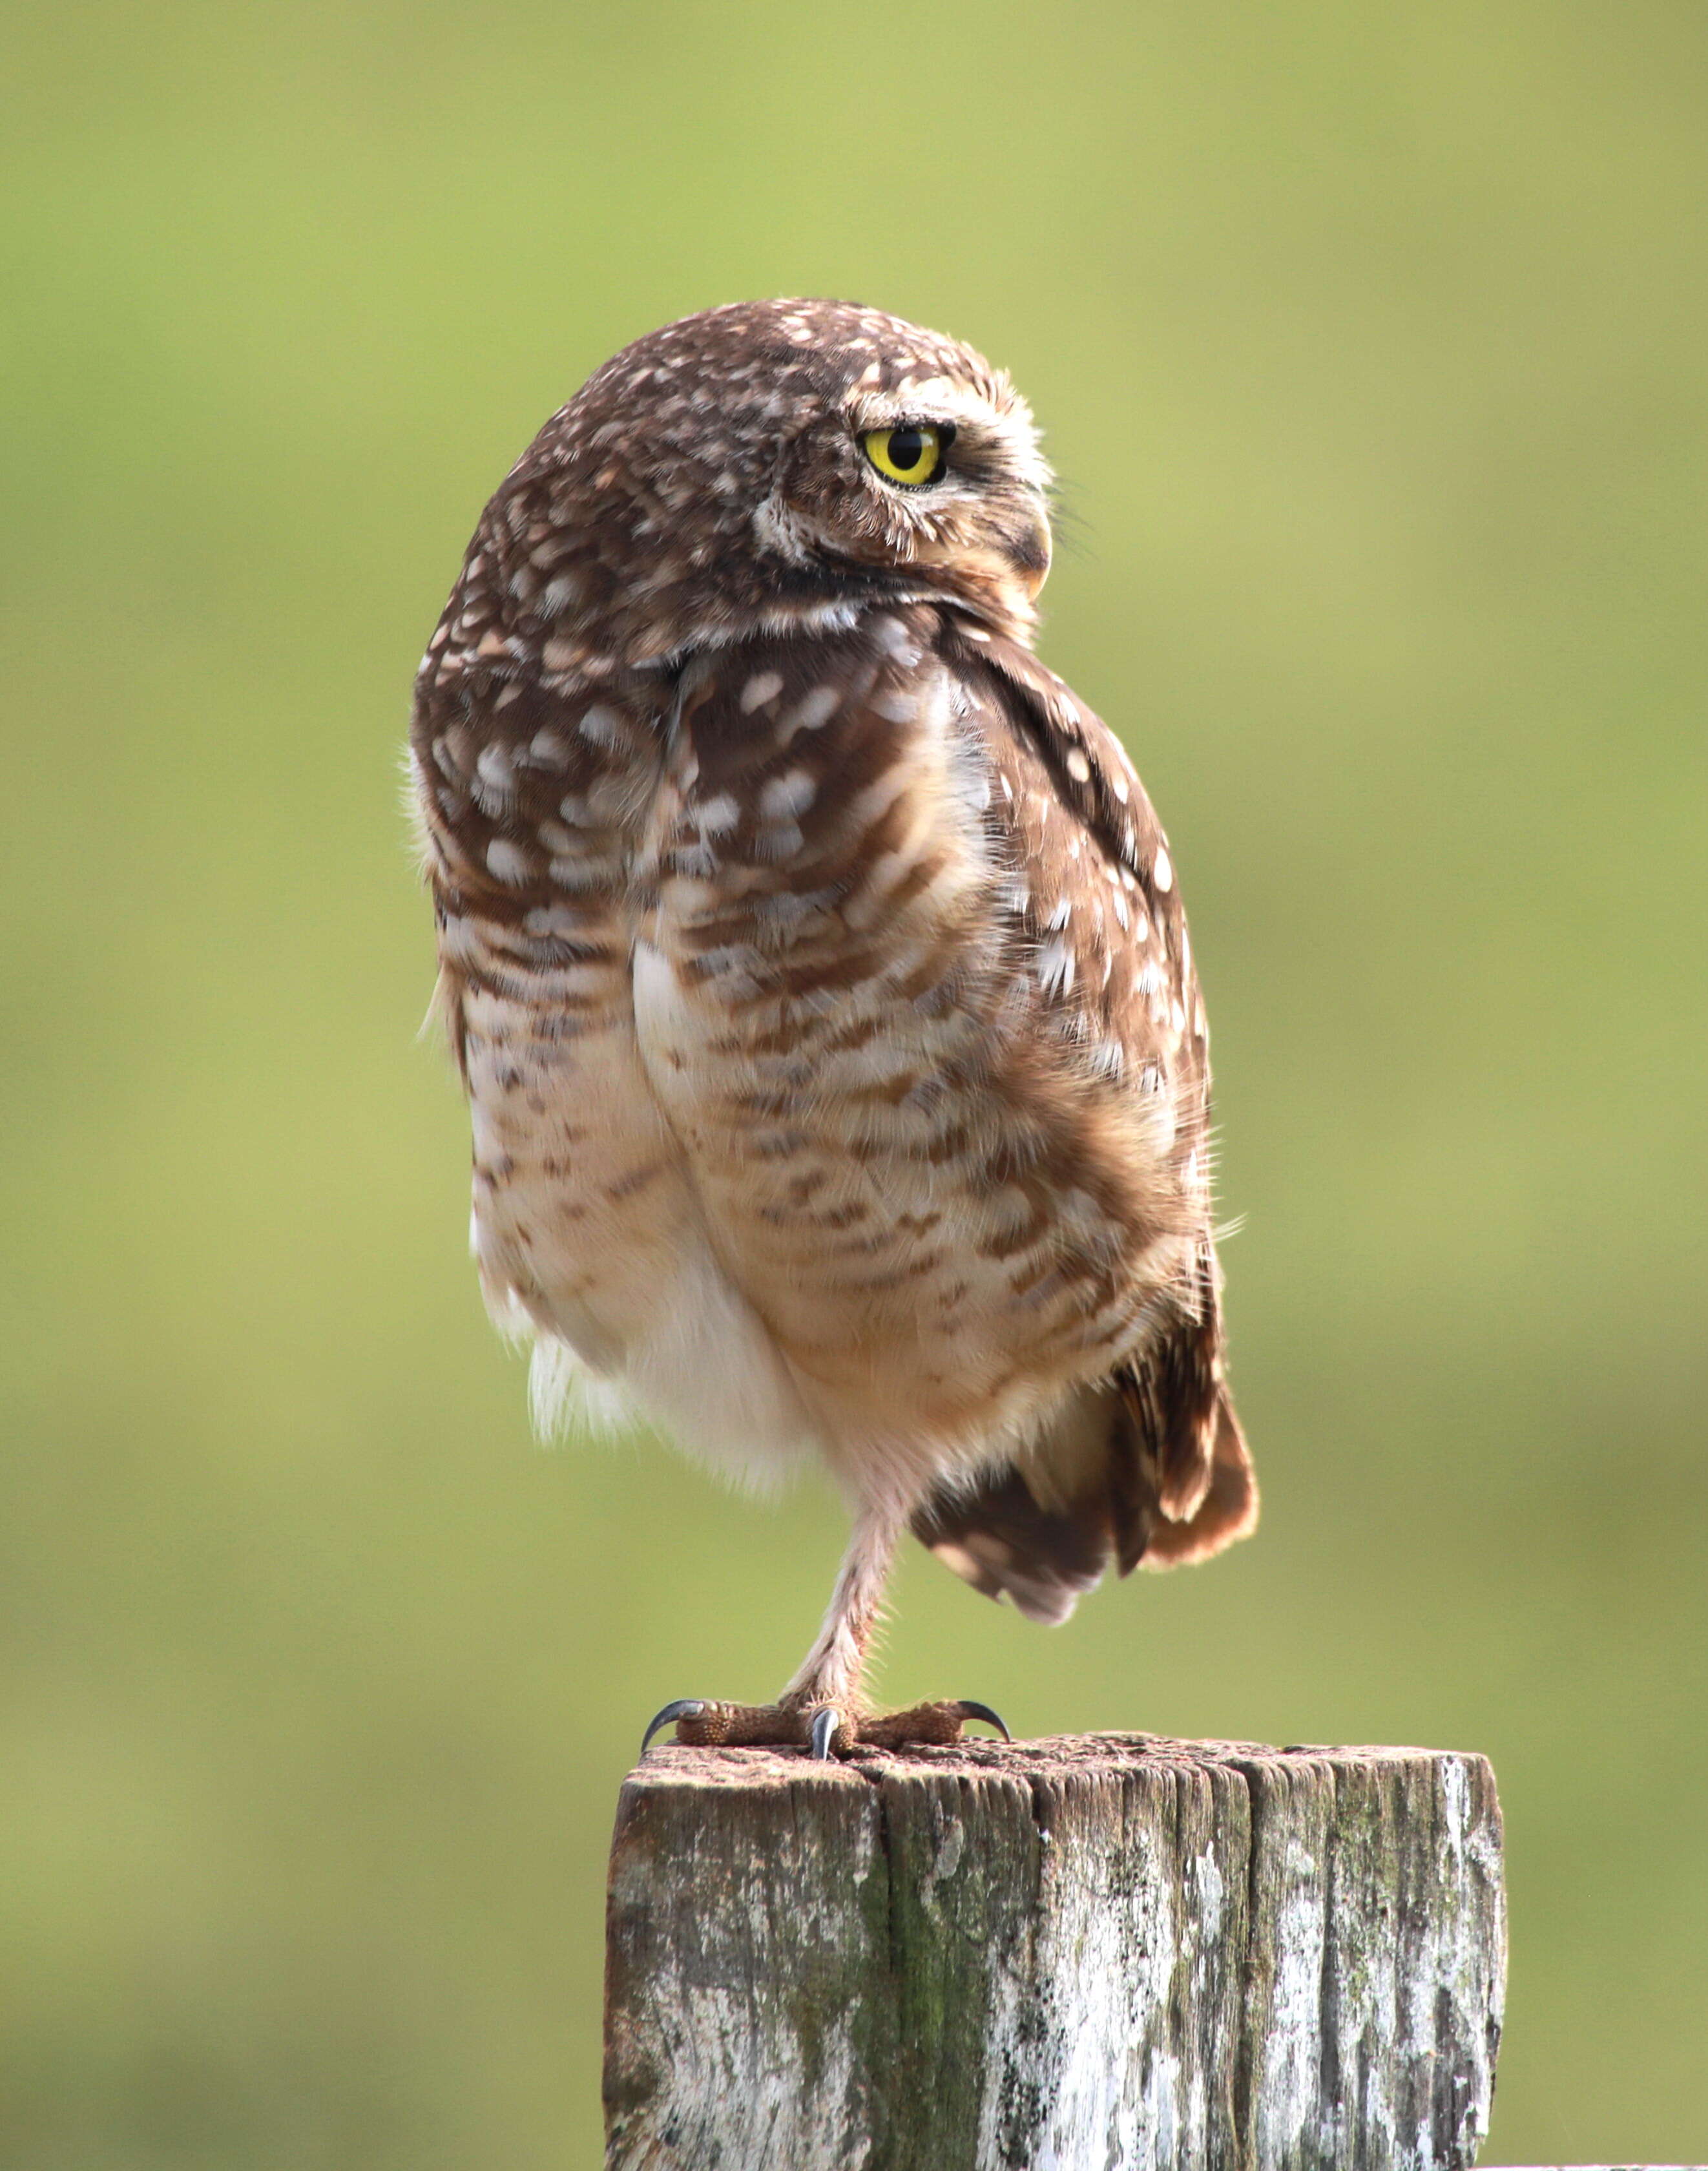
x,y
816,970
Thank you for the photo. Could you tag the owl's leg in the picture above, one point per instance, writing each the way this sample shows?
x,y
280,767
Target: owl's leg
x,y
820,1709
831,1672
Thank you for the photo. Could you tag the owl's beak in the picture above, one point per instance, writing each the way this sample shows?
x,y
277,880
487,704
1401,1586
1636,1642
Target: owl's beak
x,y
1028,551
1000,569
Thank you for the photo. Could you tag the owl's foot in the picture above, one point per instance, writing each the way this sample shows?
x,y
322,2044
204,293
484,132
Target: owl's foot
x,y
821,1728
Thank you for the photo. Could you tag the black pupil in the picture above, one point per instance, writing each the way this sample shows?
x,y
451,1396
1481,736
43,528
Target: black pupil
x,y
907,449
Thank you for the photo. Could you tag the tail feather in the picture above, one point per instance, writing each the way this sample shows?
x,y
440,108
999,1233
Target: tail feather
x,y
1111,1479
1003,1542
1227,1509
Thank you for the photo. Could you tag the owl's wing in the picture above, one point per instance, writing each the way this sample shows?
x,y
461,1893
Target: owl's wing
x,y
1151,1467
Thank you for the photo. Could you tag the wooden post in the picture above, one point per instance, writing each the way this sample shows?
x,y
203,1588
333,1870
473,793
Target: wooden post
x,y
1089,1953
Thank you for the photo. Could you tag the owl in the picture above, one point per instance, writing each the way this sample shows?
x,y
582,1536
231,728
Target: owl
x,y
816,972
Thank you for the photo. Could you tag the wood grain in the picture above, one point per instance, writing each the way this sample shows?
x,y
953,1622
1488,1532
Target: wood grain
x,y
1102,1951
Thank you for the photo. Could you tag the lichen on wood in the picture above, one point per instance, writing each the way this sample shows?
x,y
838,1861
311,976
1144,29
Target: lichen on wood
x,y
1097,1951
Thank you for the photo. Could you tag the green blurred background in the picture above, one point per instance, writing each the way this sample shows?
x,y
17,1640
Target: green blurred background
x,y
1369,342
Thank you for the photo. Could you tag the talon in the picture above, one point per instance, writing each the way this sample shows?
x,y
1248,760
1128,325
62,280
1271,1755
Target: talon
x,y
984,1711
683,1707
824,1726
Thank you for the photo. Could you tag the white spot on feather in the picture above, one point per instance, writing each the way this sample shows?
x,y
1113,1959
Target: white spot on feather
x,y
817,708
764,686
493,769
1055,969
508,863
786,796
716,818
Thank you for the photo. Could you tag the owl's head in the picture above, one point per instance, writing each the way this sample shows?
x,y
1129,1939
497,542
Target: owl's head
x,y
773,466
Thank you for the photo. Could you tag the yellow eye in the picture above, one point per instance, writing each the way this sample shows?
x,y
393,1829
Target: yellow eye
x,y
910,454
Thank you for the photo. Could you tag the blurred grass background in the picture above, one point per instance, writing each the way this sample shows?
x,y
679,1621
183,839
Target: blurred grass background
x,y
1369,343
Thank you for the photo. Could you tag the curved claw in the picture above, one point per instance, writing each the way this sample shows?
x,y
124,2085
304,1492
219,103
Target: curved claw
x,y
683,1707
984,1711
824,1725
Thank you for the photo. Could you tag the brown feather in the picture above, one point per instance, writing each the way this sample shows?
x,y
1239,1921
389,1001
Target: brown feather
x,y
1040,1530
999,1539
1228,1510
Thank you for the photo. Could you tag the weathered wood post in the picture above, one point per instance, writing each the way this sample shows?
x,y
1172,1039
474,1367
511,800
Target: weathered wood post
x,y
1082,1953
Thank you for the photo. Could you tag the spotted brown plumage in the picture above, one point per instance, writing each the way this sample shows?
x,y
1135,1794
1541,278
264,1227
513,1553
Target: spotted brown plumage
x,y
818,972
